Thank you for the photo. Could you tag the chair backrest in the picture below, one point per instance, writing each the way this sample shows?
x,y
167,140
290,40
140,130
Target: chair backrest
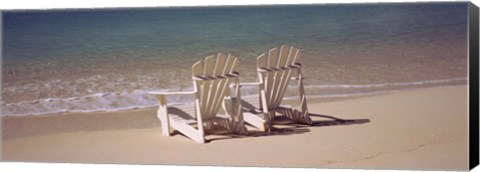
x,y
212,78
275,70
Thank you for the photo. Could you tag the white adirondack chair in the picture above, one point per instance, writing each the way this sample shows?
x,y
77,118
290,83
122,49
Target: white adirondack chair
x,y
275,70
212,80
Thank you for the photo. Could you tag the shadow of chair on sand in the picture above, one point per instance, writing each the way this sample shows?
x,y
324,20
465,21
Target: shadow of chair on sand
x,y
285,126
124,121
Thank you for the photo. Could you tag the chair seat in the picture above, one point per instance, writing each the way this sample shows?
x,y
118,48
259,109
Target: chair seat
x,y
251,102
184,114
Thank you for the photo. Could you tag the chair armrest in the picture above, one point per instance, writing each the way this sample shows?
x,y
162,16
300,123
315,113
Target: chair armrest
x,y
162,95
171,93
250,84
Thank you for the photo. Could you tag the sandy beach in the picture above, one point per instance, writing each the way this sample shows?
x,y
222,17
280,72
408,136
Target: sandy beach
x,y
416,129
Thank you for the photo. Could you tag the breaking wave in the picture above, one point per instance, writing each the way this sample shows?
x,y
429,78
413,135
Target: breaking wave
x,y
138,99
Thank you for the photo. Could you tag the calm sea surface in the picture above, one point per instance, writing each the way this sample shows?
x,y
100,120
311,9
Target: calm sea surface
x,y
93,60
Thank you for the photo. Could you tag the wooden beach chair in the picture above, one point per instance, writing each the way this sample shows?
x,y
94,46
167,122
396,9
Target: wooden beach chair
x,y
275,70
213,79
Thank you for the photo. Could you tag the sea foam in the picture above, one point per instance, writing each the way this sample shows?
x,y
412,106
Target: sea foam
x,y
139,99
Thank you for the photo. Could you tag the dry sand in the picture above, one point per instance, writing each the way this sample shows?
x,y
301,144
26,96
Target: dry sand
x,y
418,129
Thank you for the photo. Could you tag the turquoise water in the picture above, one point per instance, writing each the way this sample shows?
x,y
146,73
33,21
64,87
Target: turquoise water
x,y
91,60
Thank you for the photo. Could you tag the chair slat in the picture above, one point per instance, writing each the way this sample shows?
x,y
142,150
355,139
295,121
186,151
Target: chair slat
x,y
228,65
270,76
220,95
296,57
215,91
231,66
197,68
283,56
204,94
283,86
287,59
236,64
272,57
281,77
209,65
293,56
262,61
268,81
210,98
220,64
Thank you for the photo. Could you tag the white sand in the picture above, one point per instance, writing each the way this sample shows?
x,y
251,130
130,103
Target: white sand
x,y
419,129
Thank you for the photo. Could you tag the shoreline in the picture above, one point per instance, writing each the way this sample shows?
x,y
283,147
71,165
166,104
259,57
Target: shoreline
x,y
423,128
145,113
89,100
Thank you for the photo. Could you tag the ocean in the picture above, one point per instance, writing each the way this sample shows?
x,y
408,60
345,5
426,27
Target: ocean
x,y
57,61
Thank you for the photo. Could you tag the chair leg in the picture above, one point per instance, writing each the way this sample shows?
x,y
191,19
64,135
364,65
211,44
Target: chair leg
x,y
162,115
271,115
304,112
303,100
306,118
209,125
238,127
